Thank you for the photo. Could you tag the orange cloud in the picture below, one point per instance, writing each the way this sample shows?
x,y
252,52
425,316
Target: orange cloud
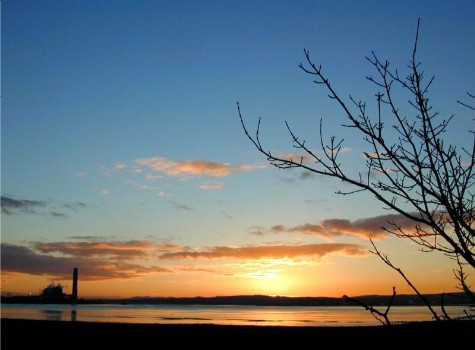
x,y
269,252
193,167
102,260
116,249
363,228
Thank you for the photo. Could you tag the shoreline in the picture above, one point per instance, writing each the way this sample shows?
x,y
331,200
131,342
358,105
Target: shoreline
x,y
454,298
22,332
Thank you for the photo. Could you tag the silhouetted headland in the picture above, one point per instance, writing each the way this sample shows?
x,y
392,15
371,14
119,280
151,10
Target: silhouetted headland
x,y
262,300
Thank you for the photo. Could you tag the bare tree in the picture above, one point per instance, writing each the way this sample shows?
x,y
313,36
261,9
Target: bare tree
x,y
377,314
409,168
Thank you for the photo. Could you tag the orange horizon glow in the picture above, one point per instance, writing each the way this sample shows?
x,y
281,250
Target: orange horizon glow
x,y
114,268
331,278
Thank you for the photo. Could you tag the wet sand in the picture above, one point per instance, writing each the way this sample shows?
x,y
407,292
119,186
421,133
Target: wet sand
x,y
24,334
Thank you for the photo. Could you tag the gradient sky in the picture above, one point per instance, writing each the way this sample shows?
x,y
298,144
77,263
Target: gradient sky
x,y
123,154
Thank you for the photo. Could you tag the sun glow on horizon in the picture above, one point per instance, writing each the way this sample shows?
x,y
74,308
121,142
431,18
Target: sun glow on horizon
x,y
271,282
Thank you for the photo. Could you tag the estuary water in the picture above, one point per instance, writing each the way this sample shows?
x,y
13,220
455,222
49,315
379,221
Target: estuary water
x,y
219,314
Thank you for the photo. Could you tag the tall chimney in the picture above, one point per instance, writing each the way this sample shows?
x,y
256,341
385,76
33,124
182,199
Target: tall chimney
x,y
75,285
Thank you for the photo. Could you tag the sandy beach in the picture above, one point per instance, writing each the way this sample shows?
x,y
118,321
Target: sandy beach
x,y
19,334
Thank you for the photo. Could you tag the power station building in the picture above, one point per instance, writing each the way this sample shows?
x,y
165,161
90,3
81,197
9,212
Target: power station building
x,y
54,292
74,296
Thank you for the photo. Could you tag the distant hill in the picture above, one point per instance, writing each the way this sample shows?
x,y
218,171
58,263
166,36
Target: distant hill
x,y
264,300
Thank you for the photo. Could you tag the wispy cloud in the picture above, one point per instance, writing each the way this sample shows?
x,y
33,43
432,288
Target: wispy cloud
x,y
181,206
81,174
13,206
345,150
152,177
227,215
258,230
296,157
89,238
120,166
75,206
193,167
364,228
305,157
212,186
304,175
141,186
105,171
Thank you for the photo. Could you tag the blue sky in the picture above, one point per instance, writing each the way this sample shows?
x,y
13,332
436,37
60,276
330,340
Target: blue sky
x,y
119,125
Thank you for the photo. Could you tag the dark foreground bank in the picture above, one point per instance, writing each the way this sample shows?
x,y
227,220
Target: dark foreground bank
x,y
24,334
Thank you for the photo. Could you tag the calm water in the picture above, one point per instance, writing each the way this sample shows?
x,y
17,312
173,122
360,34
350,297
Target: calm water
x,y
223,315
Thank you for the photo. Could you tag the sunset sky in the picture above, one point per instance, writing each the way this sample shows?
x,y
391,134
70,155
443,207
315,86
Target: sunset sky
x,y
123,153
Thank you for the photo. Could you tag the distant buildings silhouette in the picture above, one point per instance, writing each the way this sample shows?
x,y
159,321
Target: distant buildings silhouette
x,y
53,293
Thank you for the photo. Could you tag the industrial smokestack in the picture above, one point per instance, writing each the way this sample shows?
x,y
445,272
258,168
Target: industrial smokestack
x,y
75,285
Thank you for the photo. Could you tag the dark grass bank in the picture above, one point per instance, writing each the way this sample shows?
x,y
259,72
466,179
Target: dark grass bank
x,y
32,334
